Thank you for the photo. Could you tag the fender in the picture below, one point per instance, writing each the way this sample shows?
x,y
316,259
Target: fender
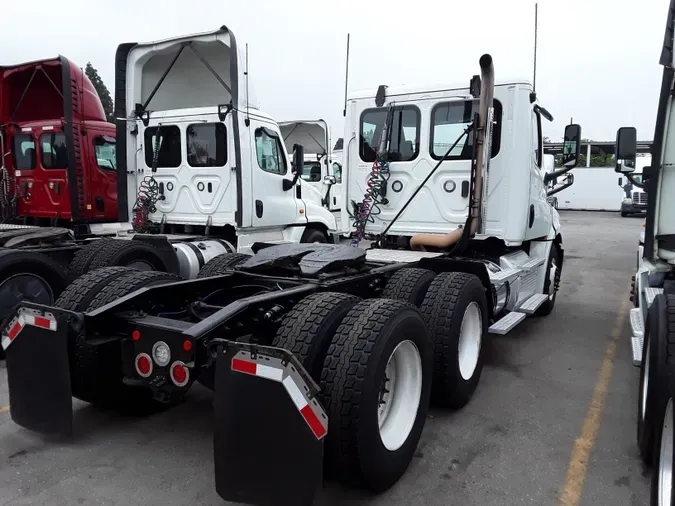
x,y
319,214
555,225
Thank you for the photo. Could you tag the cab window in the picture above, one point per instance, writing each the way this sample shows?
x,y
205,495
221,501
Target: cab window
x,y
105,152
337,172
270,152
448,122
404,137
206,145
54,152
311,171
23,154
169,154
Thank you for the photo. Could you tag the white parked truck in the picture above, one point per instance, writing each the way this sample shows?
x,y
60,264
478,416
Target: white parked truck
x,y
323,353
201,171
322,170
653,290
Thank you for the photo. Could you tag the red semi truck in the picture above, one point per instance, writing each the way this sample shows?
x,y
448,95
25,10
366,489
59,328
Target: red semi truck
x,y
58,150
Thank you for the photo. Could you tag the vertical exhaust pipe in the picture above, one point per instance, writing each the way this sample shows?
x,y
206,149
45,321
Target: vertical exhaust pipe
x,y
483,146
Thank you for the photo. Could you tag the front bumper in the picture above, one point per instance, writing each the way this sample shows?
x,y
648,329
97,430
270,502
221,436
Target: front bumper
x,y
634,208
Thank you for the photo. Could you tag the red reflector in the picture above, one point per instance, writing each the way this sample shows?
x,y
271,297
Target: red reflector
x,y
179,373
14,330
313,422
243,366
135,335
143,364
187,345
42,322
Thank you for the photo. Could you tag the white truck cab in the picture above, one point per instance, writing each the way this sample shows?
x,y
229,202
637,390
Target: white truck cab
x,y
426,122
201,156
425,171
322,172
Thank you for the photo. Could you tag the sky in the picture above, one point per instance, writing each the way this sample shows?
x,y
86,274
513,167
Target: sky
x,y
597,60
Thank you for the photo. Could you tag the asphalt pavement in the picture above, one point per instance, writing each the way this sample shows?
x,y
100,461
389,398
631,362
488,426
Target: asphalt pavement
x,y
553,421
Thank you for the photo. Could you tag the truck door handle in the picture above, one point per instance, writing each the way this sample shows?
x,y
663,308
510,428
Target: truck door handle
x,y
259,208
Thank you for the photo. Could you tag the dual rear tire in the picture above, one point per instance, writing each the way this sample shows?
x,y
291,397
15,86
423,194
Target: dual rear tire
x,y
379,361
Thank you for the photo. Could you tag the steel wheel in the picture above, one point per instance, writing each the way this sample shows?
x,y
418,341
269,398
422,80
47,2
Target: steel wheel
x,y
400,395
24,286
665,476
470,336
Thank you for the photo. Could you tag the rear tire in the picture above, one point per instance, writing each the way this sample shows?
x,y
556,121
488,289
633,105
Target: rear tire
x,y
96,371
455,309
222,264
409,285
116,252
662,492
365,445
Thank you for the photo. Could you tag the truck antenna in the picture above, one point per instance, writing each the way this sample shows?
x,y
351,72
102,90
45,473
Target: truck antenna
x,y
534,78
248,118
344,111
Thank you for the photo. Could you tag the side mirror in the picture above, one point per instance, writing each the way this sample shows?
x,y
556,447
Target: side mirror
x,y
571,146
298,158
329,180
626,149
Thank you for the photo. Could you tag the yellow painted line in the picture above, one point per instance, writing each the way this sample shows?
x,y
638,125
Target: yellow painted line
x,y
4,409
570,494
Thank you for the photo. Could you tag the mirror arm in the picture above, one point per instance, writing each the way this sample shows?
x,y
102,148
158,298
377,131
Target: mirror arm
x,y
632,180
552,175
558,189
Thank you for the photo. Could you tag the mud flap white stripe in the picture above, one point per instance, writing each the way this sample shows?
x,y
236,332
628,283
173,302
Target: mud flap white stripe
x,y
26,317
311,412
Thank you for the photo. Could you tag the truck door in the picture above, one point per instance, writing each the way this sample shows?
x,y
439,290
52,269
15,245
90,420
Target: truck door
x,y
335,197
102,173
195,170
272,206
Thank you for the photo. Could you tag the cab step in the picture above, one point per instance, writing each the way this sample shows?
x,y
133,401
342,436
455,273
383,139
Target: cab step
x,y
500,277
637,341
533,264
505,324
531,305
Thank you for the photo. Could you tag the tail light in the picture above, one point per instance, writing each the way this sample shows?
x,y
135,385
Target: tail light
x,y
180,375
143,365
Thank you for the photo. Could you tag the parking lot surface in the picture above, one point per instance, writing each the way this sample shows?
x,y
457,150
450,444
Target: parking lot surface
x,y
553,421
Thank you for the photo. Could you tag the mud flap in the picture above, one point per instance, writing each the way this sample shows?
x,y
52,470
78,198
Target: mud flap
x,y
269,427
38,374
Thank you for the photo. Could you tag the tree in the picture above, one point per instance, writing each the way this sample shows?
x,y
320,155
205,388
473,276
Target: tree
x,y
101,90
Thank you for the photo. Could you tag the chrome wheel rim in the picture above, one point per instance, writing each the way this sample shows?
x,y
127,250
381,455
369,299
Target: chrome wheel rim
x,y
645,383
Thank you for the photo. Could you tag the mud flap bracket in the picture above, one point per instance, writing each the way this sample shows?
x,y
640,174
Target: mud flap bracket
x,y
269,427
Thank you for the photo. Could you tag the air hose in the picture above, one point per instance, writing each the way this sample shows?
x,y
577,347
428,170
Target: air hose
x,y
376,185
148,194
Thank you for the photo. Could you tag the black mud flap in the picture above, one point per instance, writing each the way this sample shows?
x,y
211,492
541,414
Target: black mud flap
x,y
38,376
269,427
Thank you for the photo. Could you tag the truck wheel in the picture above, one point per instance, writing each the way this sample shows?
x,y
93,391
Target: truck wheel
x,y
313,235
455,309
28,276
655,373
79,265
376,381
408,285
662,492
133,254
307,330
623,214
96,372
551,281
78,295
221,264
